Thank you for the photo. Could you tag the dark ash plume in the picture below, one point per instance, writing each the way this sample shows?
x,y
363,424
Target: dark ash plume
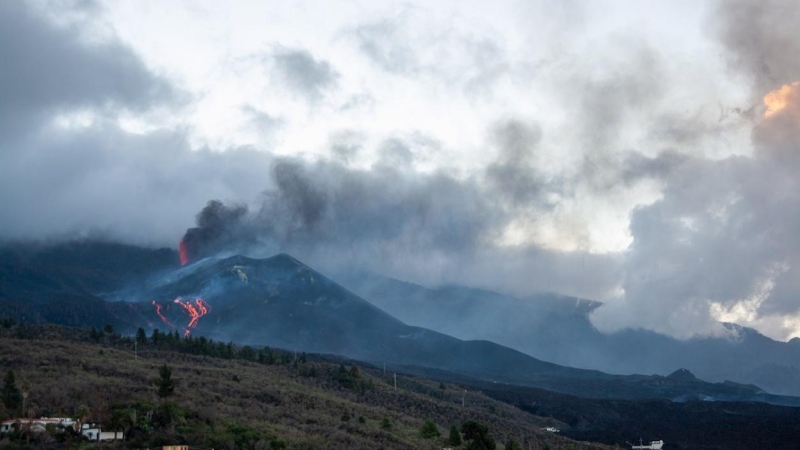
x,y
218,225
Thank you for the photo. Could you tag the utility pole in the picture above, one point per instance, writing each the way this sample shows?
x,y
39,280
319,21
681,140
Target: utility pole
x,y
464,399
395,382
384,367
136,350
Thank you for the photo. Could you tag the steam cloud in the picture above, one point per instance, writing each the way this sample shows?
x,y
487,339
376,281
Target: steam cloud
x,y
717,246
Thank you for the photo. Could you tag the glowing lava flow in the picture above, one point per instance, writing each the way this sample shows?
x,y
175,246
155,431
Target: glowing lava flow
x,y
183,252
161,316
197,310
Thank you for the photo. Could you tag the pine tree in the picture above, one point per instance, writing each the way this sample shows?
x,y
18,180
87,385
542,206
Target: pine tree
x,y
141,336
12,396
345,416
166,386
386,424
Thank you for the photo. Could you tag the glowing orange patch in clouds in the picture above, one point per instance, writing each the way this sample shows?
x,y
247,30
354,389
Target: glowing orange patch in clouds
x,y
779,99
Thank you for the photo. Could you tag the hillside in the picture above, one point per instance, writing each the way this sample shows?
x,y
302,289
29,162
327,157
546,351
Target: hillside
x,y
245,404
694,424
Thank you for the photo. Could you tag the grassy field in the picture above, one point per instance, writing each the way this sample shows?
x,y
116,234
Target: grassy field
x,y
228,403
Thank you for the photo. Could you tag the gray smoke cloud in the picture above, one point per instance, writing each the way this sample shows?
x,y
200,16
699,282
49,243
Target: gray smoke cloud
x,y
433,228
95,177
762,39
301,72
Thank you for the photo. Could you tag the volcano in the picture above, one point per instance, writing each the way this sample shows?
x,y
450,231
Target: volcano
x,y
281,302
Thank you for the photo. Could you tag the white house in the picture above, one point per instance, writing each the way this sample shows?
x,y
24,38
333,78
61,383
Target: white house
x,y
94,433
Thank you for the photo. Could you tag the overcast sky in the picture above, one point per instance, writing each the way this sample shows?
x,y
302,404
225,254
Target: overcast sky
x,y
614,150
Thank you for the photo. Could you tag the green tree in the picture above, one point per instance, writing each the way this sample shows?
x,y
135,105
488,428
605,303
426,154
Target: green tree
x,y
429,430
513,445
12,396
166,386
478,436
156,337
455,437
345,416
386,424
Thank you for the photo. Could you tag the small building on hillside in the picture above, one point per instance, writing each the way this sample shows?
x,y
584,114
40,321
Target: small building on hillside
x,y
93,433
37,425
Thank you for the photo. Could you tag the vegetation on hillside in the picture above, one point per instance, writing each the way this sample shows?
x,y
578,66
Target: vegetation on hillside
x,y
166,389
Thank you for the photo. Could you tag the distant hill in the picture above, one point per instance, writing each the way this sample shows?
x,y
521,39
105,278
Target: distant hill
x,y
557,328
69,284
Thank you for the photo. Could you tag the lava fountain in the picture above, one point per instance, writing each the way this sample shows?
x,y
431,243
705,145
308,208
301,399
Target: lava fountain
x,y
183,252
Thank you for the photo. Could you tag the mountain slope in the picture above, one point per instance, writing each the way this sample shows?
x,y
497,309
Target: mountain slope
x,y
557,328
281,302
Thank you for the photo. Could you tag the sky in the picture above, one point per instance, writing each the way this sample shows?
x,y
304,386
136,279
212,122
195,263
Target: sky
x,y
639,153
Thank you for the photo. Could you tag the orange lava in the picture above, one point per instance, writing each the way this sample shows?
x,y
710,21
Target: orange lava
x,y
161,316
183,252
197,310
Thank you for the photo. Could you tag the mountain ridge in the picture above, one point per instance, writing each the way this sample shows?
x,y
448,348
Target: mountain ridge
x,y
558,328
282,302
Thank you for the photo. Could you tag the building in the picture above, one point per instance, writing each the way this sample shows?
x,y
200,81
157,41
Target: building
x,y
93,433
37,425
